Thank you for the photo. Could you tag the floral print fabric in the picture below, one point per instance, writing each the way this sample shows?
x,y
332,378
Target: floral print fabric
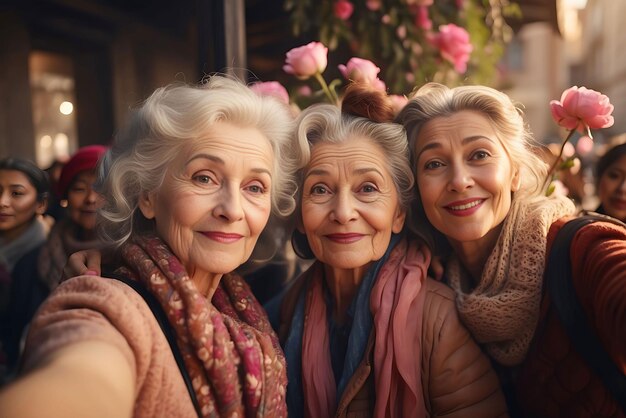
x,y
229,348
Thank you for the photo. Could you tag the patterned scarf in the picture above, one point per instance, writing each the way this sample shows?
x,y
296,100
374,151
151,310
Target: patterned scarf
x,y
503,309
395,312
229,348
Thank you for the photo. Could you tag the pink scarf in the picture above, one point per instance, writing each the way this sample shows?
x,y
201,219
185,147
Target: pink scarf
x,y
230,351
396,303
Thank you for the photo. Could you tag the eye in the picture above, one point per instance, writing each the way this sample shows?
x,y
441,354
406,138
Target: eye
x,y
480,155
432,165
17,193
202,178
319,189
369,188
257,188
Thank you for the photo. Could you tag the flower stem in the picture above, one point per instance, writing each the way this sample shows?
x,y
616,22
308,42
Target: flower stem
x,y
557,159
329,94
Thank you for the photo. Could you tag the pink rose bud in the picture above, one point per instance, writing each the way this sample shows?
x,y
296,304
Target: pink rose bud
x,y
343,9
271,88
582,108
360,70
307,60
454,45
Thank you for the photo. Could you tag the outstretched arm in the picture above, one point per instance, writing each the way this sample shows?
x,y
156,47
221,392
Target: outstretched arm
x,y
88,378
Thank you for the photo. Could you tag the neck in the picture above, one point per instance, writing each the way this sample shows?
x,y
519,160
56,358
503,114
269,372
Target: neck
x,y
206,283
343,285
474,254
14,233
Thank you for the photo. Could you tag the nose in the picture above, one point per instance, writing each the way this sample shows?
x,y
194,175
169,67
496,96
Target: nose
x,y
92,196
4,199
622,185
460,178
343,210
229,208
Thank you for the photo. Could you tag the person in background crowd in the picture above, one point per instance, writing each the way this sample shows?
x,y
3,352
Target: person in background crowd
x,y
365,332
24,190
611,182
189,188
39,271
480,189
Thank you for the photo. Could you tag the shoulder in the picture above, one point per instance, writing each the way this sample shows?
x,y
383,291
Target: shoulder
x,y
92,308
439,298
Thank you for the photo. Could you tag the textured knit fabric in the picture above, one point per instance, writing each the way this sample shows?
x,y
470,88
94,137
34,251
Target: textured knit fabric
x,y
229,349
33,236
455,377
62,242
555,381
502,310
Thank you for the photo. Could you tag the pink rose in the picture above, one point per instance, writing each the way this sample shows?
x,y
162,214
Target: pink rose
x,y
307,60
420,2
454,44
422,20
343,9
271,88
582,108
373,5
359,69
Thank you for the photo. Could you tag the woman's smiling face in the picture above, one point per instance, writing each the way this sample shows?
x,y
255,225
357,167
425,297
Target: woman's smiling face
x,y
215,200
464,175
350,204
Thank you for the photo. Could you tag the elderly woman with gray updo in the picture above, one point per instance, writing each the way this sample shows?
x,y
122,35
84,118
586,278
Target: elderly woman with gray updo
x,y
189,188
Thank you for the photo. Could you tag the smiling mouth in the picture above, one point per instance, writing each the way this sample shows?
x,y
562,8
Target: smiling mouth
x,y
465,206
222,237
345,238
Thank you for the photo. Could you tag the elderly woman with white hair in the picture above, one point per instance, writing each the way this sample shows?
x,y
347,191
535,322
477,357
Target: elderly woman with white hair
x,y
172,331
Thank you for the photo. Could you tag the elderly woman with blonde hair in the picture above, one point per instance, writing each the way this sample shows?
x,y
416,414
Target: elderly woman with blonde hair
x,y
189,188
480,186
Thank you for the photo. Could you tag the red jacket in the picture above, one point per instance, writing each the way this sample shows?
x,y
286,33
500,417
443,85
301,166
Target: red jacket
x,y
554,381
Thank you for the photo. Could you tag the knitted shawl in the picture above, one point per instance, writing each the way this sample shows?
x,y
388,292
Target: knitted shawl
x,y
503,309
33,236
230,351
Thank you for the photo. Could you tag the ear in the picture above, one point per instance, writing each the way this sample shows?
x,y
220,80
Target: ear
x,y
42,205
516,182
146,204
398,220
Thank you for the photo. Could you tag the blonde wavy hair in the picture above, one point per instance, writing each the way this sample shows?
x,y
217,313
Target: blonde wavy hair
x,y
435,100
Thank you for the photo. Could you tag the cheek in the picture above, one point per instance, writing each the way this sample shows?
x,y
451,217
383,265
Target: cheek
x,y
258,218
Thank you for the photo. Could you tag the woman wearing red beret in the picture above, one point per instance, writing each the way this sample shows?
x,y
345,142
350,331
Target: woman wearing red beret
x,y
39,271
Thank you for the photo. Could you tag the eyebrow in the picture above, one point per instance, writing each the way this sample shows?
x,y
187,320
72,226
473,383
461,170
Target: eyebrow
x,y
218,160
464,141
360,171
